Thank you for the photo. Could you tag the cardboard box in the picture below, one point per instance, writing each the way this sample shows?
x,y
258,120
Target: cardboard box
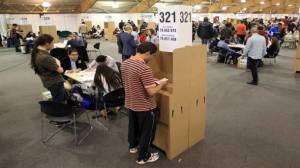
x,y
51,30
83,29
88,25
109,28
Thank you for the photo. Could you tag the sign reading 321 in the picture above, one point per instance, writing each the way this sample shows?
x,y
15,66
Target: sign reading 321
x,y
175,27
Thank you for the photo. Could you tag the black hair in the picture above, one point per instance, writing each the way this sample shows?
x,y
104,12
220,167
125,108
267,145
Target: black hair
x,y
222,38
113,78
70,51
146,47
101,58
41,40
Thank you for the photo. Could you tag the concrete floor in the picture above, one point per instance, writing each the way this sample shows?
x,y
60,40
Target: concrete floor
x,y
247,126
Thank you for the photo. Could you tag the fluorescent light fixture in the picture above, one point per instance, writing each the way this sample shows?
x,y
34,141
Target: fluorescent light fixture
x,y
115,5
243,1
224,8
46,4
290,5
197,7
262,2
277,4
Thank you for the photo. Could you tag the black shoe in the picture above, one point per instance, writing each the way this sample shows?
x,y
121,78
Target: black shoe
x,y
252,83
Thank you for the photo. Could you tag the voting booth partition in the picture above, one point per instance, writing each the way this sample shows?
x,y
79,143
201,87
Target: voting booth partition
x,y
23,30
297,61
151,25
109,28
182,102
51,30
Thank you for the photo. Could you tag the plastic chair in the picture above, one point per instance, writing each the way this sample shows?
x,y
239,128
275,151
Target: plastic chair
x,y
223,55
65,114
96,50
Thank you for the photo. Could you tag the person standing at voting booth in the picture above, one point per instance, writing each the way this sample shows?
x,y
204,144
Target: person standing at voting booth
x,y
128,43
255,50
140,88
48,68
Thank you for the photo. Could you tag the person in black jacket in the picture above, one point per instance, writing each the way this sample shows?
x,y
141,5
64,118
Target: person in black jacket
x,y
73,63
205,31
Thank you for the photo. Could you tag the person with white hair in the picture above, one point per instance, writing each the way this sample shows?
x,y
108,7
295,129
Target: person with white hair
x,y
128,43
255,49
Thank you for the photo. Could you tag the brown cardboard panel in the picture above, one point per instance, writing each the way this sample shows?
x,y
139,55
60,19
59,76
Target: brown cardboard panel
x,y
162,137
49,30
298,52
25,29
83,29
89,25
151,25
297,65
163,104
179,128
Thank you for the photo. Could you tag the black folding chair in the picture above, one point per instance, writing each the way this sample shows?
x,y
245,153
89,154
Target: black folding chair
x,y
65,115
223,55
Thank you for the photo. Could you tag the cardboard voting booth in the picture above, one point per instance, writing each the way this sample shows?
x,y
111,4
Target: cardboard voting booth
x,y
109,28
151,25
25,29
182,102
297,61
51,30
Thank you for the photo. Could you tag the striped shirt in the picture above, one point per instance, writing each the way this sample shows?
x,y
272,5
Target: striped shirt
x,y
137,76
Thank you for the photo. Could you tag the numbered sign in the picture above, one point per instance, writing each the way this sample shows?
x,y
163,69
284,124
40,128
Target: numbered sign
x,y
175,27
45,20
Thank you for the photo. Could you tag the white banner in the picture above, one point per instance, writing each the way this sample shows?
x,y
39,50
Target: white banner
x,y
45,20
175,27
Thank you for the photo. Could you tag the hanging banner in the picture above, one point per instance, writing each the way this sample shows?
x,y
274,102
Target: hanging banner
x,y
175,27
45,20
23,21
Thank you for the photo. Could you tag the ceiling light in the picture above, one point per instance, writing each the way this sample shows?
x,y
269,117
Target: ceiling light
x,y
243,1
197,7
46,4
262,2
115,5
244,9
224,8
290,5
277,4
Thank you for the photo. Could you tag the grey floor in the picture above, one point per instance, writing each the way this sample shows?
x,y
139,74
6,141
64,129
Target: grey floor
x,y
247,126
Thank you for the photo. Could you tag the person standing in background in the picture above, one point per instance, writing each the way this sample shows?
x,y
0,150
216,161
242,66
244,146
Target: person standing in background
x,y
241,31
128,43
205,31
255,49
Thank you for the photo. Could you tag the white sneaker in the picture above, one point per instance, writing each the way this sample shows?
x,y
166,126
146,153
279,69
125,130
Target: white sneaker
x,y
133,150
154,157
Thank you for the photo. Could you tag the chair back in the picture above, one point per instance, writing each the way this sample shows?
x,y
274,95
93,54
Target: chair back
x,y
59,53
97,46
223,52
119,66
115,98
54,109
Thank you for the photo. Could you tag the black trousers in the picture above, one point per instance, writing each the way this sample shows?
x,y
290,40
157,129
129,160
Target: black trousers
x,y
141,131
125,57
58,92
242,38
252,65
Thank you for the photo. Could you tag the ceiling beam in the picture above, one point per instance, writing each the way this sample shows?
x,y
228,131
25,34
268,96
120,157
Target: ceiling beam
x,y
86,5
261,7
237,8
215,7
142,6
191,2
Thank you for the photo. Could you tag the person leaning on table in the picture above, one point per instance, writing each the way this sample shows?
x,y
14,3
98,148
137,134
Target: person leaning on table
x,y
255,50
140,88
48,68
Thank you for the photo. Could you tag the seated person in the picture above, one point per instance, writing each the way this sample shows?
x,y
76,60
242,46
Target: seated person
x,y
224,45
273,49
106,79
75,41
29,41
104,59
73,63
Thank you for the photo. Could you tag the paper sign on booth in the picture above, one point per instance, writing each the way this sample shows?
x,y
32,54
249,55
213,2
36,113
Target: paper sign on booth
x,y
175,27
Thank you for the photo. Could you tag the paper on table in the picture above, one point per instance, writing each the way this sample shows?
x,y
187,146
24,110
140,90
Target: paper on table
x,y
87,78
